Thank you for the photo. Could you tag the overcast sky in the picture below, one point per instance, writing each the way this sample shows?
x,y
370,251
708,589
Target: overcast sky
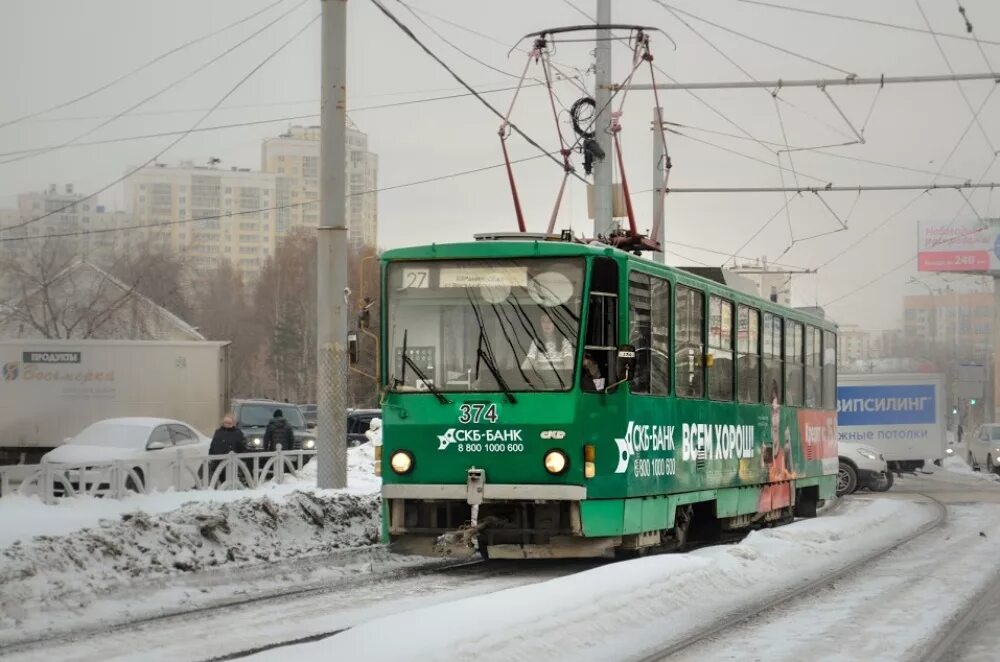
x,y
54,50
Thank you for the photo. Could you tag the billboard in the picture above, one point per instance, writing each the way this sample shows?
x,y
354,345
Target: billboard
x,y
970,245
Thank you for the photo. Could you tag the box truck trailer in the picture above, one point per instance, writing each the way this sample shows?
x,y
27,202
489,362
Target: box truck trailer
x,y
52,389
900,415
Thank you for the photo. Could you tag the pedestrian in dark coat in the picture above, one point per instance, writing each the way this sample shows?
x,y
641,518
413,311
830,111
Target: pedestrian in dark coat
x,y
227,439
278,433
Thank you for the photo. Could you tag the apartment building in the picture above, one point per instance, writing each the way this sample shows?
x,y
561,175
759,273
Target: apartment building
x,y
232,204
293,158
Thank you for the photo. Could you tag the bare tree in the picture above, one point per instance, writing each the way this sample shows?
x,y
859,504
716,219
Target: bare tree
x,y
58,295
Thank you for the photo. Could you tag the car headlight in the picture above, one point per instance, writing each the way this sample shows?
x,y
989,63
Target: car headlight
x,y
309,444
867,452
556,462
949,451
256,442
401,462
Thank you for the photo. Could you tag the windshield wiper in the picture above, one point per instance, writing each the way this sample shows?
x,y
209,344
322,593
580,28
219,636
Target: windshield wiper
x,y
482,355
407,361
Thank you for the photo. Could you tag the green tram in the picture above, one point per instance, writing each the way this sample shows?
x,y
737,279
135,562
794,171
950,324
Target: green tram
x,y
550,398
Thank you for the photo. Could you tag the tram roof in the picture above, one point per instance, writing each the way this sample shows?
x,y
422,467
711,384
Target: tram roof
x,y
553,247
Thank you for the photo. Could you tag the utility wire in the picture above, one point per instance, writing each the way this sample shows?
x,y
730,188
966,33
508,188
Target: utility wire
x,y
761,42
162,90
408,32
291,118
181,137
961,90
141,67
184,221
875,229
855,19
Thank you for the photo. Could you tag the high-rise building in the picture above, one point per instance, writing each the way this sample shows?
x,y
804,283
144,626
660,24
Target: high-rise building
x,y
234,205
82,222
293,158
959,320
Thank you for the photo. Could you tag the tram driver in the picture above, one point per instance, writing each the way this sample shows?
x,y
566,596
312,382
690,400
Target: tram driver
x,y
549,351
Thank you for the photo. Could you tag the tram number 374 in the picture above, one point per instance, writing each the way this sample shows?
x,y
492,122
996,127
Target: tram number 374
x,y
475,412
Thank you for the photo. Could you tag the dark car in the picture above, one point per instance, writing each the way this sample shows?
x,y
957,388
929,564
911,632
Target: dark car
x,y
252,416
358,422
309,413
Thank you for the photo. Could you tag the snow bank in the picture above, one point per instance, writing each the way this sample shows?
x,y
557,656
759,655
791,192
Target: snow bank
x,y
71,570
22,518
957,465
629,608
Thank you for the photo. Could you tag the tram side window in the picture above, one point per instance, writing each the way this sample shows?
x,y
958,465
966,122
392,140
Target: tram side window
x,y
659,356
829,370
639,329
793,364
748,349
720,344
771,351
601,346
689,311
649,333
814,379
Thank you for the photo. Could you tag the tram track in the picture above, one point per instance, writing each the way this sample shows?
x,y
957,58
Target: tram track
x,y
952,635
339,557
790,595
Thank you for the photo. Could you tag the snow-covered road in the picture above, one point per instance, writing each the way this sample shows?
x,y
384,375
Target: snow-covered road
x,y
229,630
891,610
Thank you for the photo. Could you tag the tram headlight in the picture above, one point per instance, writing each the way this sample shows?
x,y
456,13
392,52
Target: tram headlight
x,y
556,462
401,462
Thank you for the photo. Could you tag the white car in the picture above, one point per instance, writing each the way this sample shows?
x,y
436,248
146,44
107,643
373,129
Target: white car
x,y
861,466
148,446
984,448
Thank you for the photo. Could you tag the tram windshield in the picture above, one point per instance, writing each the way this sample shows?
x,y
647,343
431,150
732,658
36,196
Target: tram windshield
x,y
484,325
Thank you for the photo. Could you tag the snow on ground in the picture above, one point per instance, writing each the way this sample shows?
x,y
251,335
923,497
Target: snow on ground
x,y
67,556
628,608
890,610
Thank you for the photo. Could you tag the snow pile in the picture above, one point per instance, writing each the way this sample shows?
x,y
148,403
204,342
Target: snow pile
x,y
70,570
959,466
630,608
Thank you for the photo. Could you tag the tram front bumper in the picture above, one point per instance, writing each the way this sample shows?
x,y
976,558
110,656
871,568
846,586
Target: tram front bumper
x,y
489,492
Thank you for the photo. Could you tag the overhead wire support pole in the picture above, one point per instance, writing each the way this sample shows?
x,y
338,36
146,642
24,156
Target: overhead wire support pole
x,y
603,168
817,82
331,272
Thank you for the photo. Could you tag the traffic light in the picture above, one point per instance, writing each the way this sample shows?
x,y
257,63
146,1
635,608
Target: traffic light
x,y
972,402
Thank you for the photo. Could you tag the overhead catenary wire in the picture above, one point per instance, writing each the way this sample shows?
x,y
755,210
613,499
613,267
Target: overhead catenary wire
x,y
755,40
142,67
409,33
691,93
270,56
160,91
961,90
866,21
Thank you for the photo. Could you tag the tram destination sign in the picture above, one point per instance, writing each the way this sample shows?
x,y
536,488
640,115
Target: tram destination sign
x,y
964,245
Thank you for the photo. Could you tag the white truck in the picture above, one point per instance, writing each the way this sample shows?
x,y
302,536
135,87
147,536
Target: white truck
x,y
52,389
901,415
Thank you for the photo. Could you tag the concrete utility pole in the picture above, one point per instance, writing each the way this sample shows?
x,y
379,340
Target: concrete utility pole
x,y
331,287
603,170
659,169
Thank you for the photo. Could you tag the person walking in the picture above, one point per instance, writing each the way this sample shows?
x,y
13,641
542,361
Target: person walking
x,y
227,439
278,433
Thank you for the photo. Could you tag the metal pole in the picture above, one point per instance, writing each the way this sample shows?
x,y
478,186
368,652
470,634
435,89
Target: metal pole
x,y
836,189
331,272
996,347
603,175
659,167
816,82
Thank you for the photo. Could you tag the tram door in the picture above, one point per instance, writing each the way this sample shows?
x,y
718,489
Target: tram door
x,y
601,343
